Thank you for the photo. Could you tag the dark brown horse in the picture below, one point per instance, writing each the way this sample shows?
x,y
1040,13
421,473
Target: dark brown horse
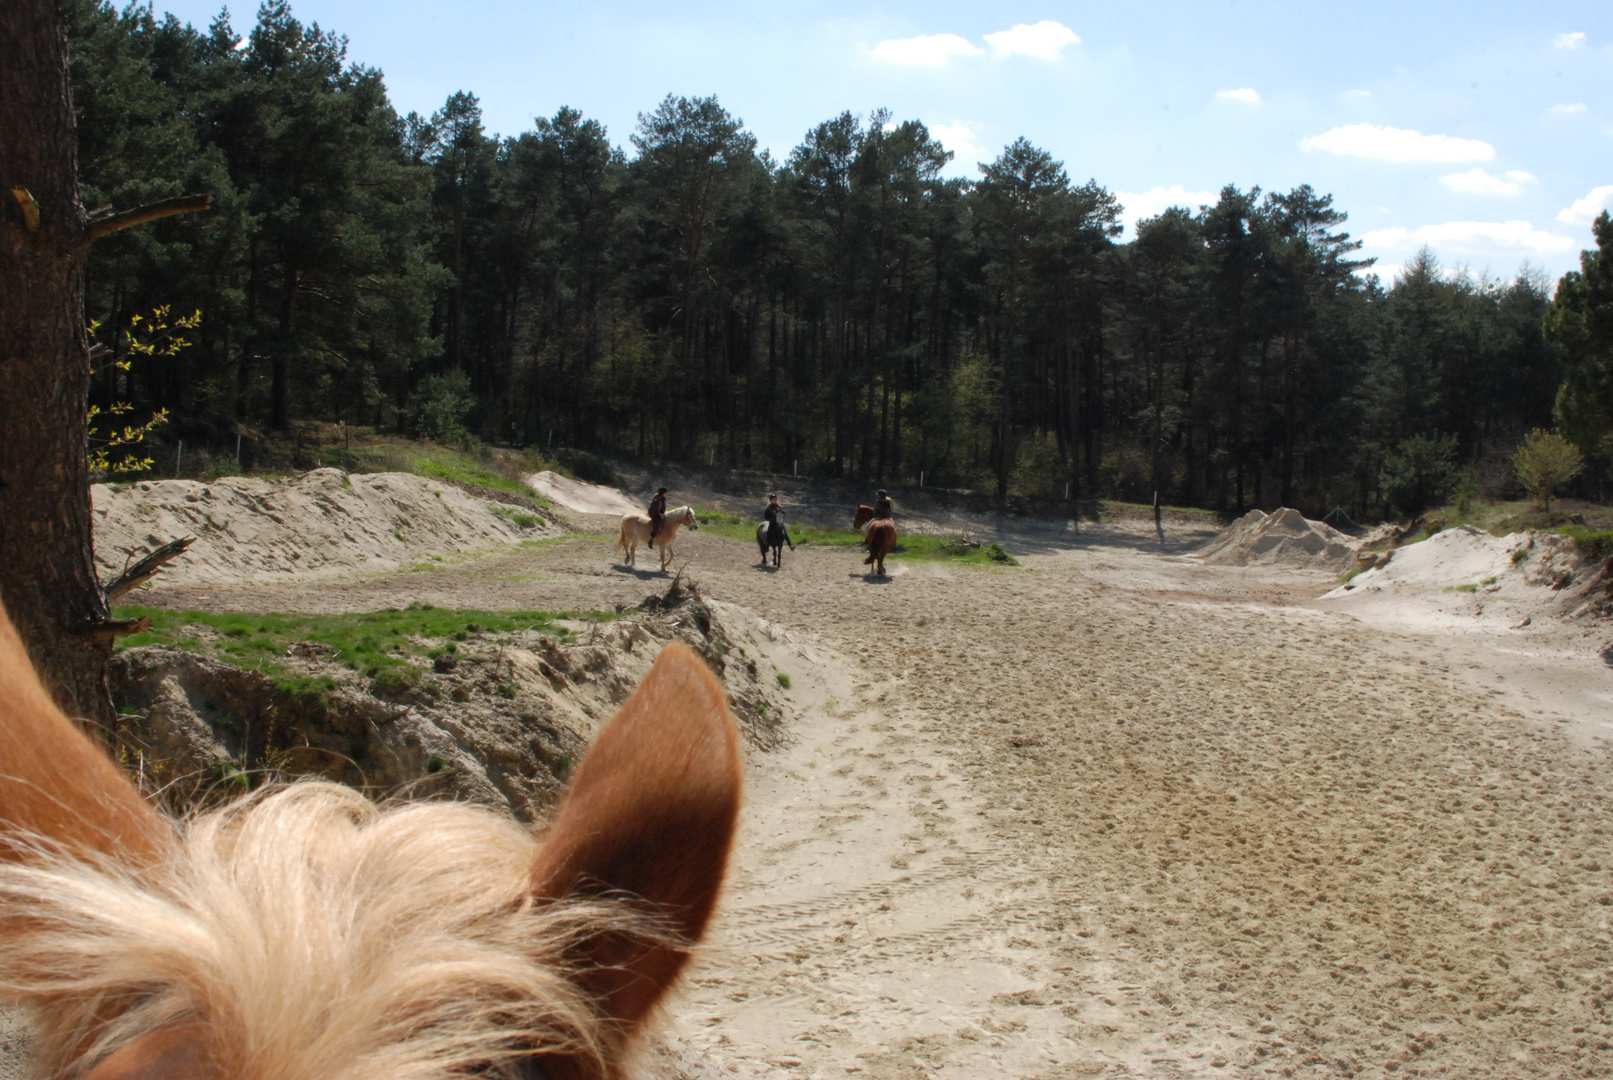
x,y
881,537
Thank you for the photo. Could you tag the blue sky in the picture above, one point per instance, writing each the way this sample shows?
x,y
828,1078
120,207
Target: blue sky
x,y
1484,130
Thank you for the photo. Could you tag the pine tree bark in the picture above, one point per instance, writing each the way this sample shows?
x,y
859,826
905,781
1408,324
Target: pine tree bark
x,y
47,570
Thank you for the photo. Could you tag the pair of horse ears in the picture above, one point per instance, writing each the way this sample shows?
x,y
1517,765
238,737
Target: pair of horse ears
x,y
651,812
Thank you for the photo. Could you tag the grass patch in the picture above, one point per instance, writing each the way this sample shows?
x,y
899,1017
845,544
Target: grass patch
x,y
1461,588
951,548
498,470
379,644
1597,543
519,517
783,678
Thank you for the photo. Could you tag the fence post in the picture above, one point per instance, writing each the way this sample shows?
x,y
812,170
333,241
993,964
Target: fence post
x,y
179,458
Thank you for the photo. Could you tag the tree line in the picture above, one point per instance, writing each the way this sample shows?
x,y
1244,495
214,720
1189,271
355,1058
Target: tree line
x,y
849,307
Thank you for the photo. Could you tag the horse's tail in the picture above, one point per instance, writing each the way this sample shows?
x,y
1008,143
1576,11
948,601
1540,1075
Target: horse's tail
x,y
621,538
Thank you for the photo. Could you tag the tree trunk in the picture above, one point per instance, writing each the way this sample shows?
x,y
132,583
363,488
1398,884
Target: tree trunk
x,y
47,569
280,386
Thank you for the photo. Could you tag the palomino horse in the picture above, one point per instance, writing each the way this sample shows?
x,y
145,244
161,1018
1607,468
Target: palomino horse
x,y
881,537
773,535
636,531
305,933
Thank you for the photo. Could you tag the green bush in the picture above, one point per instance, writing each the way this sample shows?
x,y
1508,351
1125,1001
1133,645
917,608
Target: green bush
x,y
437,408
590,467
1419,473
1543,461
389,682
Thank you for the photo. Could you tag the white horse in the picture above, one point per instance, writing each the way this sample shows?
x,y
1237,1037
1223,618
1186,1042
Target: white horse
x,y
636,531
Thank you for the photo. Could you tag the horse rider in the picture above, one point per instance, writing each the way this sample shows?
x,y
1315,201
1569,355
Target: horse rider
x,y
882,505
657,513
771,515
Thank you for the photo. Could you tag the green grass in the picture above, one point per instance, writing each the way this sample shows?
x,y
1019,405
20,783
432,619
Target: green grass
x,y
379,644
1597,543
500,473
519,517
951,548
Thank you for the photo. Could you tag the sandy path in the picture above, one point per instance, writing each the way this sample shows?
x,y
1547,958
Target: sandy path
x,y
1108,814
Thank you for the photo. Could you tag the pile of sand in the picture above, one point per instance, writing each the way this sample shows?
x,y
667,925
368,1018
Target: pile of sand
x,y
322,523
1460,556
1465,571
580,496
1284,538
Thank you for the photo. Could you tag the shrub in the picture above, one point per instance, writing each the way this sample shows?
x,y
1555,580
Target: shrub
x,y
392,681
589,467
1419,473
438,406
1544,460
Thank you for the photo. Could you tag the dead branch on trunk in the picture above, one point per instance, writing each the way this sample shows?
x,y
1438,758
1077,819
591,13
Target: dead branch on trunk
x,y
143,571
112,628
141,214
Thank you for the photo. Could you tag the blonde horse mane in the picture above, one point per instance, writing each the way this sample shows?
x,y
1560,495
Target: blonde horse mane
x,y
317,936
306,933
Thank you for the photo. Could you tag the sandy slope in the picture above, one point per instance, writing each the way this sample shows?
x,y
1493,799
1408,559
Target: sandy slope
x,y
1116,813
317,525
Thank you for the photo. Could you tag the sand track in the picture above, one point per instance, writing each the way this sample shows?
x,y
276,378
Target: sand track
x,y
1113,814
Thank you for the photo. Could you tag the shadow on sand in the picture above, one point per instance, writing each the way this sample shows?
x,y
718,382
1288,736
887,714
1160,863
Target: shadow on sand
x,y
642,575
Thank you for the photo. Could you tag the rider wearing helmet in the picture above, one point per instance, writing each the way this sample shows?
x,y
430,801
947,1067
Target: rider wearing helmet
x,y
773,509
882,504
657,514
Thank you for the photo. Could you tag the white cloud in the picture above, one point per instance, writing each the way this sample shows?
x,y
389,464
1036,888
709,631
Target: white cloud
x,y
1154,201
1356,95
1473,237
1396,144
1479,182
961,137
1566,110
1576,40
1245,94
1584,211
1045,40
926,50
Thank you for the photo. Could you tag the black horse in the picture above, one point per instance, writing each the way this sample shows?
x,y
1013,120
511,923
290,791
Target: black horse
x,y
772,535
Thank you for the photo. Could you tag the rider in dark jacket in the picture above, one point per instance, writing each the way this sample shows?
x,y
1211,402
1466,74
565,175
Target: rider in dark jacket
x,y
773,514
657,514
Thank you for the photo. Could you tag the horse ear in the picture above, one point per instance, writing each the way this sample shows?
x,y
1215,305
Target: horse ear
x,y
651,813
56,786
